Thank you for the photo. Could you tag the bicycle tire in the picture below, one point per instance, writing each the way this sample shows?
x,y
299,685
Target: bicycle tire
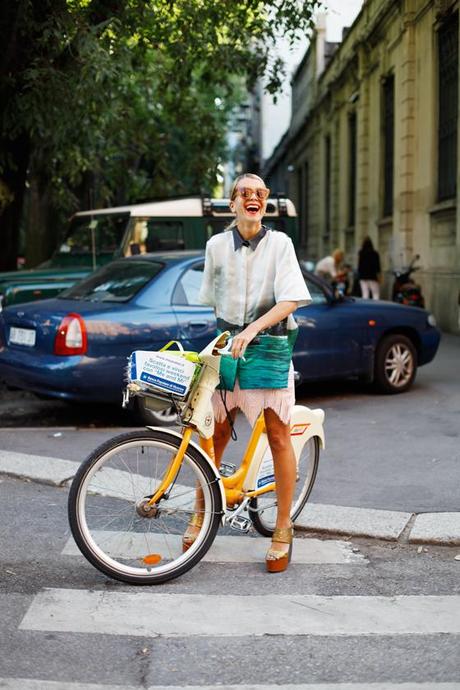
x,y
264,519
91,502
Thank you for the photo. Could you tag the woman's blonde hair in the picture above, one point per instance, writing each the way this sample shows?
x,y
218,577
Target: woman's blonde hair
x,y
233,189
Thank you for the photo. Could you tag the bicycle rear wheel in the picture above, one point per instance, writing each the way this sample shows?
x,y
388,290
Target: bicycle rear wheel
x,y
262,510
109,519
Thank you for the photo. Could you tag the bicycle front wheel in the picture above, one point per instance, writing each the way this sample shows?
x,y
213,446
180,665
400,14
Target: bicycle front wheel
x,y
114,527
262,510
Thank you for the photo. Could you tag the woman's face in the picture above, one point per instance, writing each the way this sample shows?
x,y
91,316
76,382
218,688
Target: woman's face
x,y
248,204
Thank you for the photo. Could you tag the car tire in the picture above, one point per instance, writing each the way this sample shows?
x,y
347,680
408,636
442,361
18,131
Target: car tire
x,y
148,417
395,364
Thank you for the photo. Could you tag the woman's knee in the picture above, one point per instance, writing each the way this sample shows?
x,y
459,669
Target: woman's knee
x,y
279,434
222,432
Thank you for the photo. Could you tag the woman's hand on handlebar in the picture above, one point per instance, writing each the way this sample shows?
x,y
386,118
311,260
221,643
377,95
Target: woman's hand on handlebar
x,y
242,340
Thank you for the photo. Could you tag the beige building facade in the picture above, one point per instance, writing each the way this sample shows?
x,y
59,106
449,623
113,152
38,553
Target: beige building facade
x,y
372,148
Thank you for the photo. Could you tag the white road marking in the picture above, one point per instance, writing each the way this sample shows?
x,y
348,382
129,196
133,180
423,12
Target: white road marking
x,y
147,614
31,684
225,549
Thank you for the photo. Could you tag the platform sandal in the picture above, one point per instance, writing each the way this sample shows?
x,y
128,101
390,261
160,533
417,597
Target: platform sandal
x,y
277,561
196,521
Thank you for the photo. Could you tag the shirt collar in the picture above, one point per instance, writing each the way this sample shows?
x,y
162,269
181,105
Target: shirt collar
x,y
238,240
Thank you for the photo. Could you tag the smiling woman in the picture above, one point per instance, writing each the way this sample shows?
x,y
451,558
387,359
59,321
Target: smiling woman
x,y
253,280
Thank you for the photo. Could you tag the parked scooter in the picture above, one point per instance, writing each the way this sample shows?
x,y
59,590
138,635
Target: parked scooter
x,y
405,290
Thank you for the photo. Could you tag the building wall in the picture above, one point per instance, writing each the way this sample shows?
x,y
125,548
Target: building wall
x,y
387,38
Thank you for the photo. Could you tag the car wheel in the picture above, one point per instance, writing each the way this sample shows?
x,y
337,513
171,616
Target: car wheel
x,y
149,417
395,364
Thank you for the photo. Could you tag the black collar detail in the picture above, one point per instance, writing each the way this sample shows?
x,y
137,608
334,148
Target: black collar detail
x,y
239,241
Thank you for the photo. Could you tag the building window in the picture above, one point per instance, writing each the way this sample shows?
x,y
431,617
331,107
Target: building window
x,y
352,170
327,187
447,108
388,98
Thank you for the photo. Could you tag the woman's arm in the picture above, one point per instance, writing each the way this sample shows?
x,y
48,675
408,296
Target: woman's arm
x,y
276,314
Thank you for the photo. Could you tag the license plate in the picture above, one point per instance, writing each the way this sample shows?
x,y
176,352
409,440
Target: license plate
x,y
22,336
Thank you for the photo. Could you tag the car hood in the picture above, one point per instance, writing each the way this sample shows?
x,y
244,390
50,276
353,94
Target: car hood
x,y
387,306
42,274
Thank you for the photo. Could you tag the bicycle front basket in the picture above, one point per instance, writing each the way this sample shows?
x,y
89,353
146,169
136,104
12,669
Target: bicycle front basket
x,y
168,373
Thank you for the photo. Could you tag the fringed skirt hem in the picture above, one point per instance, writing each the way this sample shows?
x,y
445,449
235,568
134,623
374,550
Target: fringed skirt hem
x,y
253,400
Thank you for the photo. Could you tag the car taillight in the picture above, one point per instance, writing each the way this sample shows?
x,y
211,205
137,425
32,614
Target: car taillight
x,y
71,336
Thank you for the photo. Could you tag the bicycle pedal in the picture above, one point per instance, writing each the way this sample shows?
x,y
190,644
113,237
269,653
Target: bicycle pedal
x,y
240,524
226,469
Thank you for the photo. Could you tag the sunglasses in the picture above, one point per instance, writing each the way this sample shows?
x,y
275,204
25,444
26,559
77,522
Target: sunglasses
x,y
261,193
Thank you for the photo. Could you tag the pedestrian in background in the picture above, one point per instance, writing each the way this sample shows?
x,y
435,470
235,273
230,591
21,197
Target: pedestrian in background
x,y
329,267
369,270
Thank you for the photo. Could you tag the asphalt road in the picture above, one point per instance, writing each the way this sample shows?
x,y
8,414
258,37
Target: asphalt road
x,y
368,613
374,613
390,452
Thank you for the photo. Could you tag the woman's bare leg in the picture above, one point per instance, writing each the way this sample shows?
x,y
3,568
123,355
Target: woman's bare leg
x,y
222,434
279,438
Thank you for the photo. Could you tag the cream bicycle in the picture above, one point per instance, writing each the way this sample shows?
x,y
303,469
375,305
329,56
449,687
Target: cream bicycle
x,y
131,499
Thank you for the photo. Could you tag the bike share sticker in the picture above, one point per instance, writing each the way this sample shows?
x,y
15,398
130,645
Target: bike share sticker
x,y
299,429
266,470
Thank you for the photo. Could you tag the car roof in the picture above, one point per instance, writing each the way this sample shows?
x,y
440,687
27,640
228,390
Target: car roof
x,y
172,256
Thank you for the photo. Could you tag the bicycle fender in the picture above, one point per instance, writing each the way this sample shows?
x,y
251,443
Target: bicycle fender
x,y
205,457
306,423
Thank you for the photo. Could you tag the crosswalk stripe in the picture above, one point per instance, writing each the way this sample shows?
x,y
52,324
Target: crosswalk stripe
x,y
122,613
32,684
225,549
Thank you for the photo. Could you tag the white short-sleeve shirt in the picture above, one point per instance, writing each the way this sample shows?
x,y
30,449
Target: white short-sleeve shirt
x,y
243,284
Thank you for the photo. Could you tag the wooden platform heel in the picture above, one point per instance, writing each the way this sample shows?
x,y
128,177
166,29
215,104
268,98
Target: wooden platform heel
x,y
277,561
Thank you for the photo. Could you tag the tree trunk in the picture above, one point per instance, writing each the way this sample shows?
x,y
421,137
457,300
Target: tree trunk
x,y
13,182
44,224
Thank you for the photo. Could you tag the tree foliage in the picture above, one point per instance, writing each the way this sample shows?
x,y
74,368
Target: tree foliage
x,y
107,101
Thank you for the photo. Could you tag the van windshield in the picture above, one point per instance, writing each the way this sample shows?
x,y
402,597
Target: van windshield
x,y
96,237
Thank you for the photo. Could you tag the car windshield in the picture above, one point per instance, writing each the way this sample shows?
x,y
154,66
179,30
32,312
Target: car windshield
x,y
96,235
117,282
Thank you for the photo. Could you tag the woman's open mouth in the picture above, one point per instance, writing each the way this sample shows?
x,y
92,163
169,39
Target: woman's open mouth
x,y
252,208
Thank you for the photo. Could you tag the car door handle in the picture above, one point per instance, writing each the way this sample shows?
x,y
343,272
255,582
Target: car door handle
x,y
199,324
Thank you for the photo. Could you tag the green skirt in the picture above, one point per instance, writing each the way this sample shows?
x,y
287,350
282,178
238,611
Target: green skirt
x,y
265,364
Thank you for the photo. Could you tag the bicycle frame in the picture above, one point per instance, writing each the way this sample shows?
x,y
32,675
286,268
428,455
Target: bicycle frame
x,y
240,487
234,484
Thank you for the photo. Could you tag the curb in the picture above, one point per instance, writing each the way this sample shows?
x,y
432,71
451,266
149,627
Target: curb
x,y
442,529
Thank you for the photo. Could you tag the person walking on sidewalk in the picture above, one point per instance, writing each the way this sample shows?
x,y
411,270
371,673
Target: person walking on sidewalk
x,y
253,280
369,270
329,267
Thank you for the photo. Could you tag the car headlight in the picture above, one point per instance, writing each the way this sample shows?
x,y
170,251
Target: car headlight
x,y
431,320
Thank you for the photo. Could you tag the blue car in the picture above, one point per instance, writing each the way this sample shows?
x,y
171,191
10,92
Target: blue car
x,y
74,347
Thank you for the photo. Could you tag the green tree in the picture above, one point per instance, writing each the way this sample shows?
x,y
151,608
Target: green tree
x,y
106,101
